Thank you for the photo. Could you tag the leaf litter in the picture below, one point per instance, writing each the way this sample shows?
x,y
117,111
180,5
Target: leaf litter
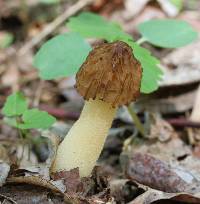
x,y
161,167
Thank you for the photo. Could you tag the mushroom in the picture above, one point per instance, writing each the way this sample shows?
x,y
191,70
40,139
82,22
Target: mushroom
x,y
110,77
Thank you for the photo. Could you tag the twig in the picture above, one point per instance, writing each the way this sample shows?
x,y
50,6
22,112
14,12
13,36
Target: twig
x,y
60,113
38,93
53,25
195,115
141,40
8,198
182,122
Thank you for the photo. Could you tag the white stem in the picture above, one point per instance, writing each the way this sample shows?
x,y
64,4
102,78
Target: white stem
x,y
84,142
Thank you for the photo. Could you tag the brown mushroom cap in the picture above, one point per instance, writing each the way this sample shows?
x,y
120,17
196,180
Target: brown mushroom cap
x,y
110,73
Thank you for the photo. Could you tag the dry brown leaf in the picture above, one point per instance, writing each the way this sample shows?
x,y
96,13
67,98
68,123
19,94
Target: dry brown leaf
x,y
169,151
4,171
159,175
35,180
28,194
167,105
134,7
185,63
158,128
71,180
11,76
151,195
124,190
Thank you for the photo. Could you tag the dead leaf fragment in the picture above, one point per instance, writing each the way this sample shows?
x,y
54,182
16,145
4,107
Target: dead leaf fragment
x,y
159,128
186,63
151,195
124,190
153,172
134,7
4,170
71,179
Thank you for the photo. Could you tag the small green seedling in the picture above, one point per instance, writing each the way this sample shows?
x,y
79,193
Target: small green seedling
x,y
64,54
18,115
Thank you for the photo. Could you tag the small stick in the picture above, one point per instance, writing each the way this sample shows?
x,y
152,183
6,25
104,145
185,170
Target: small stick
x,y
12,51
53,25
8,198
195,115
60,113
182,122
38,94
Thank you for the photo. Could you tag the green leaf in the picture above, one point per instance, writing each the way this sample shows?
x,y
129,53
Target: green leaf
x,y
168,33
49,1
35,118
151,74
90,25
177,3
6,39
15,105
61,56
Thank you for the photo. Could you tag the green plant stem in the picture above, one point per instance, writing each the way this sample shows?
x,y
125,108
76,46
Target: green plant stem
x,y
141,40
132,113
136,120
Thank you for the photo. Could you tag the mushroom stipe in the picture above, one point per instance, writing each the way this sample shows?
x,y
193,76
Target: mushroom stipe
x,y
110,77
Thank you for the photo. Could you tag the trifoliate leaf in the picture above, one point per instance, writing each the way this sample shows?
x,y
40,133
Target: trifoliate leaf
x,y
15,105
35,118
168,33
61,56
90,25
151,74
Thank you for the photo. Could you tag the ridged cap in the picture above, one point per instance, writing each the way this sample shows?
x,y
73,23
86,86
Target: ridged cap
x,y
110,73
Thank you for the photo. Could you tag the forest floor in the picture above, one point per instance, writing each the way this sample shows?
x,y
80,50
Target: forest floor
x,y
162,167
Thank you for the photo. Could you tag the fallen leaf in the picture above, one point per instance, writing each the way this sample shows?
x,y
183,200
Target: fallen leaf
x,y
71,180
158,128
186,65
159,175
35,180
166,105
124,190
151,195
15,193
11,76
131,8
4,170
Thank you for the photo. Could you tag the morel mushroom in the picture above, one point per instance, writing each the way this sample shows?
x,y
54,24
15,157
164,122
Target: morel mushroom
x,y
110,77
